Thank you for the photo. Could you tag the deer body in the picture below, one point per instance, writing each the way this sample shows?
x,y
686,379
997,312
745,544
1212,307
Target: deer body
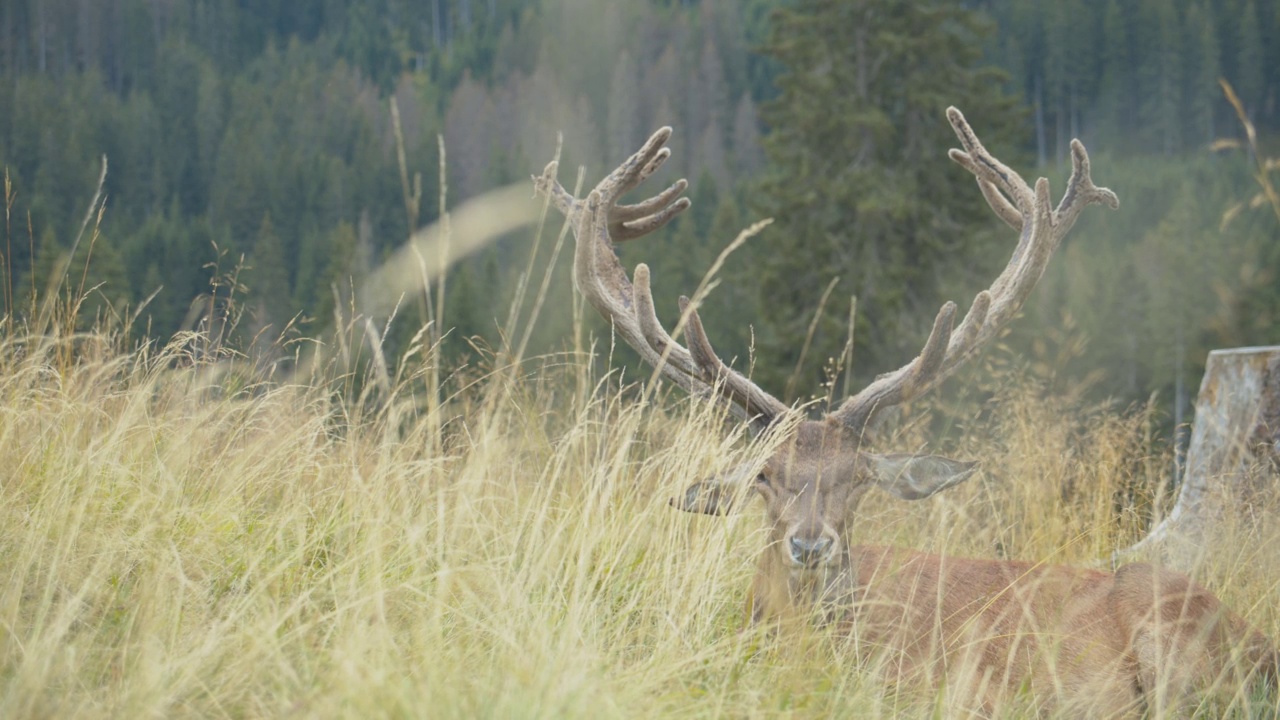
x,y
1113,641
985,618
1109,643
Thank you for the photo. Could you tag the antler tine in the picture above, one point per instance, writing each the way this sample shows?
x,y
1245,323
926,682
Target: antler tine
x,y
628,222
966,335
603,282
1081,192
1000,204
654,334
906,382
985,166
1030,258
732,384
638,167
597,223
623,231
1041,230
626,213
548,185
996,199
700,359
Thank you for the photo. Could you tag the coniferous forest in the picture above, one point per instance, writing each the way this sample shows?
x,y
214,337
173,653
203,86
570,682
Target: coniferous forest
x,y
254,165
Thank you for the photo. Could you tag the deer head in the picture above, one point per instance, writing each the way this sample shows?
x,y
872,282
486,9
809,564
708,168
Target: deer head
x,y
820,471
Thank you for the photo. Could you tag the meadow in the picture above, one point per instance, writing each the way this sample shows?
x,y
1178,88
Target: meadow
x,y
180,539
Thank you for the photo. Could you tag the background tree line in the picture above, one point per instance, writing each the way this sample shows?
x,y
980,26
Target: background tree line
x,y
264,130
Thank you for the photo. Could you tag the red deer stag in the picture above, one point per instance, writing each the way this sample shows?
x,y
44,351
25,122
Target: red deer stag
x,y
1113,641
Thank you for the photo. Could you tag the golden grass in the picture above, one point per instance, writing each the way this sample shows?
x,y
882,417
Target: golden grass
x,y
172,551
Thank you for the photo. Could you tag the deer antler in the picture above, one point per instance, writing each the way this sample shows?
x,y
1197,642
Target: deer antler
x,y
599,221
1042,229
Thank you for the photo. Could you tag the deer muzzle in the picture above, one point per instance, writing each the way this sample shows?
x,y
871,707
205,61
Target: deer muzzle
x,y
811,552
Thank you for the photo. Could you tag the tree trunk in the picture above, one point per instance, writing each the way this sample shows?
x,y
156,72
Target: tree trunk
x,y
1038,102
437,36
1235,443
10,66
43,38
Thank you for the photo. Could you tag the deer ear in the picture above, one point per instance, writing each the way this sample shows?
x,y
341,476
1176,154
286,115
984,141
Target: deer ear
x,y
913,477
719,494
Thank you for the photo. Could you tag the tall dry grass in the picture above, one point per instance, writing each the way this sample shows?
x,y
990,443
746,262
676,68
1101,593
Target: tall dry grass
x,y
174,549
179,538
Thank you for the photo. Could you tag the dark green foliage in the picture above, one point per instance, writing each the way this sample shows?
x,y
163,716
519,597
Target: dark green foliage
x,y
216,114
859,181
1150,289
267,279
1200,69
1250,76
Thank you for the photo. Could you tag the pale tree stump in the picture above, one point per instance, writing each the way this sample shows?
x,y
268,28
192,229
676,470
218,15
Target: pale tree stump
x,y
1235,443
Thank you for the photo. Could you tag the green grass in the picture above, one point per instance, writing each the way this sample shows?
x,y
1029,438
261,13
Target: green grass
x,y
169,551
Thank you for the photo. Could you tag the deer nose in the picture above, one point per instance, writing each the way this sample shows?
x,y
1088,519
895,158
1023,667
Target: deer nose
x,y
809,552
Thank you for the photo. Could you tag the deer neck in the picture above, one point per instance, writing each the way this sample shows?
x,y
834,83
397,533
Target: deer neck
x,y
826,593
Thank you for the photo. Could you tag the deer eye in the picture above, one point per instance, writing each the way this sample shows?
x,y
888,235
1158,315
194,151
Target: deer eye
x,y
761,479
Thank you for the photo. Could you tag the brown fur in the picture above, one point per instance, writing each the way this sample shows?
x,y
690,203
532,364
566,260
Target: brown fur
x,y
1107,642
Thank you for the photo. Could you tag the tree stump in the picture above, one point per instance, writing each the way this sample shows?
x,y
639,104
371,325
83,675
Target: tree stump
x,y
1235,445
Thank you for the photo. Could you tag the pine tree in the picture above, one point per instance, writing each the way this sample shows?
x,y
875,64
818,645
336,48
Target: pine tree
x,y
859,182
1058,57
623,133
747,156
1161,79
1115,95
97,278
337,281
269,280
1200,69
1250,76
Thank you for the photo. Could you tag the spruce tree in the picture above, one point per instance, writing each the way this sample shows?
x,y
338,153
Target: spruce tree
x,y
269,281
1250,74
1161,79
1114,103
859,182
1200,69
